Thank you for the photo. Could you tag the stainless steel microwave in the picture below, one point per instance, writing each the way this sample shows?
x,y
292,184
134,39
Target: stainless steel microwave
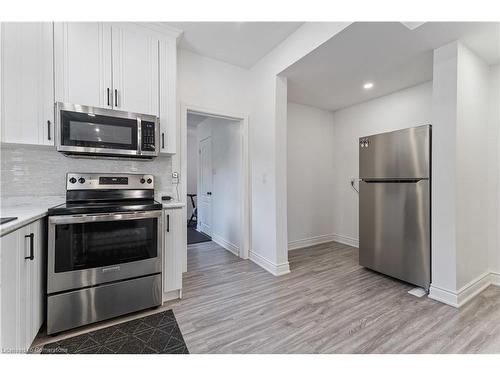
x,y
99,131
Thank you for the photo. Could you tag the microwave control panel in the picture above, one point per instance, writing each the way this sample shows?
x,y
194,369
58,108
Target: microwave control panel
x,y
148,136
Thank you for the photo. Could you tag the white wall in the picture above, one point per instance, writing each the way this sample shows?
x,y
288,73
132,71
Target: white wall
x,y
494,170
226,165
472,167
444,99
208,83
310,176
406,108
268,143
227,179
462,184
192,166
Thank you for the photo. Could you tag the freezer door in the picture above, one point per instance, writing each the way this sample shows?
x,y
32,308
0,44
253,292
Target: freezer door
x,y
394,230
399,154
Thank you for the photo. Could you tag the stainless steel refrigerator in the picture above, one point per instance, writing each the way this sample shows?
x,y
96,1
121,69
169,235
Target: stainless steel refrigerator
x,y
395,203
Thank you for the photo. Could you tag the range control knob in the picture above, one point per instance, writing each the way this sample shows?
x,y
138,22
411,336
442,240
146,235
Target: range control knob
x,y
81,180
143,180
149,180
72,180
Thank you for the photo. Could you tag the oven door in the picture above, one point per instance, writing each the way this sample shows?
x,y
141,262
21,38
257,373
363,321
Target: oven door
x,y
88,250
91,130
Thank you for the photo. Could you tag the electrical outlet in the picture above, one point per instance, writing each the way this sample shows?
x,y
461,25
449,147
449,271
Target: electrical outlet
x,y
175,178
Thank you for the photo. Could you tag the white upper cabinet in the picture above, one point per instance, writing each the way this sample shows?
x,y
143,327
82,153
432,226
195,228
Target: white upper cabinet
x,y
82,56
168,98
123,66
107,65
135,71
27,112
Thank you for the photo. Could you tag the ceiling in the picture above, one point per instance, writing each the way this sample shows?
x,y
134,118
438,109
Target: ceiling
x,y
237,43
389,54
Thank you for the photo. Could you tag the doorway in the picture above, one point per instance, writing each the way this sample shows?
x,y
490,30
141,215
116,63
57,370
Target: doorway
x,y
216,180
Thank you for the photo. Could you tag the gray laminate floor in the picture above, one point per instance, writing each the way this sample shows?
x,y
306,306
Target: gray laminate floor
x,y
327,304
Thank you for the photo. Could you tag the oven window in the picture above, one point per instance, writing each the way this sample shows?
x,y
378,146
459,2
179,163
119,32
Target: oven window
x,y
90,245
96,131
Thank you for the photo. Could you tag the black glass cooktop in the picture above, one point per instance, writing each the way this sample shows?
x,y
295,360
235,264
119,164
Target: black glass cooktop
x,y
72,208
4,220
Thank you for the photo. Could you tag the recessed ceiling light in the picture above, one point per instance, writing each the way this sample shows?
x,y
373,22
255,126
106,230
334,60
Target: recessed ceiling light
x,y
368,85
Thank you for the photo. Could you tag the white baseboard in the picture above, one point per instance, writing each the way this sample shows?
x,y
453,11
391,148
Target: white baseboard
x,y
171,295
443,295
306,242
232,248
467,292
275,269
495,278
350,241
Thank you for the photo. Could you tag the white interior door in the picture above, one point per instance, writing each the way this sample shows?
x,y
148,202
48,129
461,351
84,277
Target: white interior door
x,y
205,193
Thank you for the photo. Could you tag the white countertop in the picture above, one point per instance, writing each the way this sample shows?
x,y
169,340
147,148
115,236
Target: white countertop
x,y
26,209
173,204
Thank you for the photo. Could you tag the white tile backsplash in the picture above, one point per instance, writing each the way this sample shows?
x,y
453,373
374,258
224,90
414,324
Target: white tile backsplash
x,y
41,171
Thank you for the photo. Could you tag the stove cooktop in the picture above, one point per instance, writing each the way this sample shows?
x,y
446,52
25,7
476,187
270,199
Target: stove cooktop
x,y
73,208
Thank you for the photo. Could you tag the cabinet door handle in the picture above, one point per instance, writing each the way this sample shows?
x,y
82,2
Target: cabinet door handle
x,y
48,130
108,95
31,237
116,98
162,140
168,223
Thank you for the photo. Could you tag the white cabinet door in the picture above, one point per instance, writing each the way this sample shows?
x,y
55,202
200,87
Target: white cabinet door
x,y
27,83
26,292
168,98
135,71
22,286
37,278
172,250
10,290
82,55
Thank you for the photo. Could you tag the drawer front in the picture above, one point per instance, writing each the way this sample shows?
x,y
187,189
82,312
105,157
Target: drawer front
x,y
74,309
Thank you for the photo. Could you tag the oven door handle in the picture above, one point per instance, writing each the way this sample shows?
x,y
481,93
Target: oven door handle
x,y
75,219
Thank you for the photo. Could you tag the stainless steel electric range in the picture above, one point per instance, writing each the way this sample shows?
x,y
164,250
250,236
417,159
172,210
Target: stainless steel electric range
x,y
104,250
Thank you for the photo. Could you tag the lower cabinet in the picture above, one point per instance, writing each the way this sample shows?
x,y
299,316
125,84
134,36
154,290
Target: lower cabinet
x,y
172,253
22,287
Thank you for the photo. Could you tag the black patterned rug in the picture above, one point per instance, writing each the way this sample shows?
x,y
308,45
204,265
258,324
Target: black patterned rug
x,y
152,334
